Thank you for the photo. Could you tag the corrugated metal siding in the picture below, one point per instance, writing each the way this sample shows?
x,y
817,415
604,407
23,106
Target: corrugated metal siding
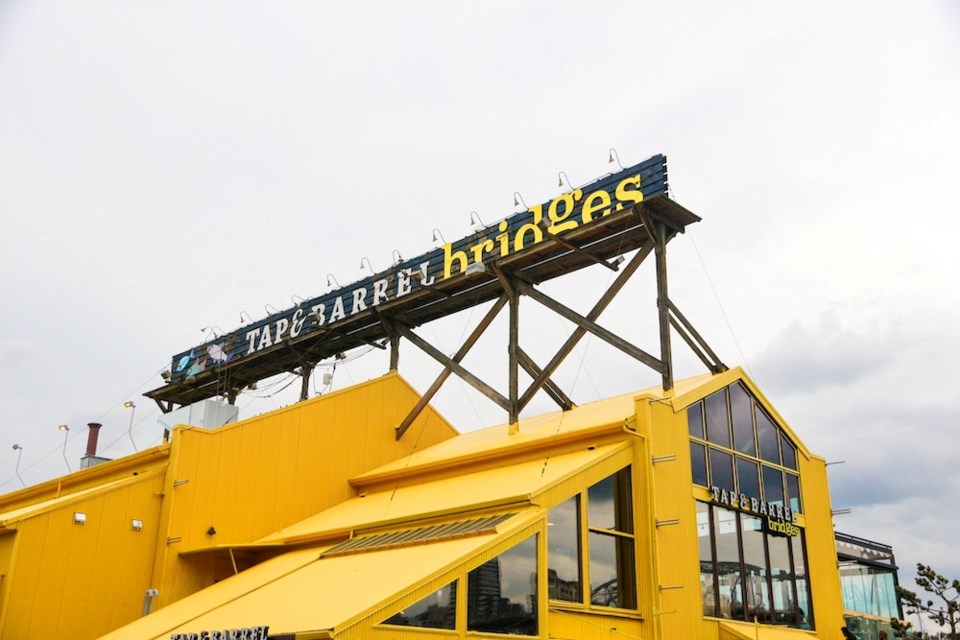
x,y
80,581
252,478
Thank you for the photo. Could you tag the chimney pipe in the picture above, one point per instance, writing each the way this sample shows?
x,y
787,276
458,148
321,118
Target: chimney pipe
x,y
92,435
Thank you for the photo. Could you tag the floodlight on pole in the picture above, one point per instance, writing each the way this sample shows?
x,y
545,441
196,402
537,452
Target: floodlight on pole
x,y
66,434
19,450
129,405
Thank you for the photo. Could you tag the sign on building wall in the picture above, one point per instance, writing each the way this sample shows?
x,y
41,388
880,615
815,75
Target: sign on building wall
x,y
571,210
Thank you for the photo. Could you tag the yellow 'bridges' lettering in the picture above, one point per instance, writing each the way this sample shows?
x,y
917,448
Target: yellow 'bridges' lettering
x,y
560,216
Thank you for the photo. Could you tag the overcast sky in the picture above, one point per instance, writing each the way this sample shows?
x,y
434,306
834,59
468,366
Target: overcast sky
x,y
167,165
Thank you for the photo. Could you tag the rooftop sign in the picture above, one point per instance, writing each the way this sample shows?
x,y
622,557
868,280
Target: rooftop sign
x,y
581,212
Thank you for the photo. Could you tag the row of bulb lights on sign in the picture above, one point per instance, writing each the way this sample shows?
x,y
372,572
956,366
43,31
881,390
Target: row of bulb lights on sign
x,y
214,331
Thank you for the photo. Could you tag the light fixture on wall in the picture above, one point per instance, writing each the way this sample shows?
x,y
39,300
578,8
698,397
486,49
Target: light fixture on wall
x,y
561,177
369,266
79,517
438,237
136,525
331,281
518,200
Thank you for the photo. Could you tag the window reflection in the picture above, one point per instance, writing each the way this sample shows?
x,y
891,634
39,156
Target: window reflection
x,y
718,426
767,437
563,551
731,433
742,413
698,460
721,469
608,548
772,484
436,611
502,592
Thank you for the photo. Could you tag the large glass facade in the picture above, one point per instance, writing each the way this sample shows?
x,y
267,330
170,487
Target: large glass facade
x,y
868,580
736,446
590,538
748,573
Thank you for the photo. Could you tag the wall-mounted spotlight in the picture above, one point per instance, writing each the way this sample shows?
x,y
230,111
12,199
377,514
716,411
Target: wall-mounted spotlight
x,y
270,309
249,319
79,517
331,281
294,299
66,434
136,525
614,157
518,200
397,258
438,237
165,374
560,179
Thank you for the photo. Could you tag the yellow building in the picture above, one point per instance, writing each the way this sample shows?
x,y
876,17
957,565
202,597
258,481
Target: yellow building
x,y
690,510
691,514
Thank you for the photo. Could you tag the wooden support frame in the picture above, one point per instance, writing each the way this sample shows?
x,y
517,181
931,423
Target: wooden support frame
x,y
579,332
591,326
694,340
461,353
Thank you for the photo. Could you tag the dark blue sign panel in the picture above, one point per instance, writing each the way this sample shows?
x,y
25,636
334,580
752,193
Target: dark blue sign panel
x,y
570,210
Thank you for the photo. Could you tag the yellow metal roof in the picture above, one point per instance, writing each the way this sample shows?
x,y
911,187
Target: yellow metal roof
x,y
484,489
299,591
22,513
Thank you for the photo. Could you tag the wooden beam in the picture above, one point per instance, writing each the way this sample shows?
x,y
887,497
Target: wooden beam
x,y
716,366
461,353
622,278
591,326
659,234
549,386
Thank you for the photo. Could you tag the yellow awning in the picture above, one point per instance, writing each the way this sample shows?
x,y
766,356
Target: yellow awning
x,y
300,591
484,489
748,631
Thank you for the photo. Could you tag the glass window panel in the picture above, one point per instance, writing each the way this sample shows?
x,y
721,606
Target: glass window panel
x,y
730,592
610,503
793,492
563,551
768,436
708,591
789,452
772,485
755,563
784,603
742,414
612,581
721,469
748,478
695,420
804,617
698,463
436,611
718,426
502,593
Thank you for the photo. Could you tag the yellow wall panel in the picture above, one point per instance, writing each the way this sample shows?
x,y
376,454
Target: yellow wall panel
x,y
66,570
